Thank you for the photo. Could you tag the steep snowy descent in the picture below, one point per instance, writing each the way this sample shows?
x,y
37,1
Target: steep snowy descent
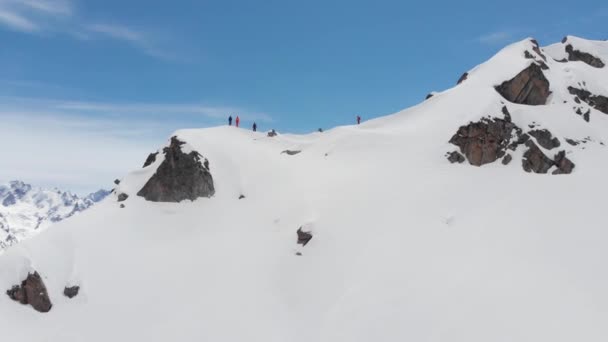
x,y
367,234
25,210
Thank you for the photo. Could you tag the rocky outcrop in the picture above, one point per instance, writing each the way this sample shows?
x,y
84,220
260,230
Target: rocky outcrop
x,y
564,165
536,161
179,177
71,291
32,291
507,159
122,197
545,138
272,133
151,159
455,157
303,237
598,102
577,55
485,141
529,87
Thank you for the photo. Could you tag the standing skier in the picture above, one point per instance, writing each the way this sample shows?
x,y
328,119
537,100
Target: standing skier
x,y
358,119
230,120
238,121
255,127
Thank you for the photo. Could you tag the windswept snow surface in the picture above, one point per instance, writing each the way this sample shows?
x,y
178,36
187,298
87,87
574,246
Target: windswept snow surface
x,y
405,247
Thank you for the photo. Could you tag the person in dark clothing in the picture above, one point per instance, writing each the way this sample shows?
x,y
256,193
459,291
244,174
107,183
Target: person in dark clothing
x,y
230,120
255,127
358,119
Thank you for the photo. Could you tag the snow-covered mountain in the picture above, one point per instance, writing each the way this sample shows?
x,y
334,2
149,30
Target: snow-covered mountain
x,y
359,233
25,210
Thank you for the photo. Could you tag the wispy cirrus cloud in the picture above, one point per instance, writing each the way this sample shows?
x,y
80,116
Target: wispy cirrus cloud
x,y
31,16
59,16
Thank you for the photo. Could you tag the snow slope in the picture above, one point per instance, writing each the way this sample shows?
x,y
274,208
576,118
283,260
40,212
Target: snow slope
x,y
406,246
25,211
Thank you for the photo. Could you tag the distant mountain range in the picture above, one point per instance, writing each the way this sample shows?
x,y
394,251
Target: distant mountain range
x,y
25,210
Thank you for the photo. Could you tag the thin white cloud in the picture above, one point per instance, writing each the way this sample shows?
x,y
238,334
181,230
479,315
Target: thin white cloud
x,y
498,37
15,21
59,16
135,38
118,32
60,7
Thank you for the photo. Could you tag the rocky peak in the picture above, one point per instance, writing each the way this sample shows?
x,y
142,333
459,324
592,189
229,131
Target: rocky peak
x,y
181,176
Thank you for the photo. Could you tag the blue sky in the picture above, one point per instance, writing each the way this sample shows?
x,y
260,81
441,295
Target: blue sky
x,y
115,78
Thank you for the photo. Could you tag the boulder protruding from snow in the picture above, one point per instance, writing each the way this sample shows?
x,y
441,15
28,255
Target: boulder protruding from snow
x,y
181,176
71,291
455,157
485,141
463,78
529,87
598,102
577,55
303,237
32,291
291,152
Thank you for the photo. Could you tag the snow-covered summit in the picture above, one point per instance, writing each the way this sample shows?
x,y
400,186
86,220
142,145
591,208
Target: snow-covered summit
x,y
25,210
359,233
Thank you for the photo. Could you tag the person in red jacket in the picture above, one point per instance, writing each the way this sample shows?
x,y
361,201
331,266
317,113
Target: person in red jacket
x,y
358,119
237,121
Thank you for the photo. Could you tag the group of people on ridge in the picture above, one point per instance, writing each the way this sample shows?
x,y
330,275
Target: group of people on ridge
x,y
237,122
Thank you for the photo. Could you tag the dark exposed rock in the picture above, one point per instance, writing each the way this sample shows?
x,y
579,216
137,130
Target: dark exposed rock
x,y
71,291
463,78
485,141
505,112
536,49
545,138
586,115
576,55
122,206
507,159
564,165
429,96
291,152
535,160
455,157
117,181
528,87
303,237
32,291
598,102
241,196
179,177
299,253
572,142
272,133
151,159
122,197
